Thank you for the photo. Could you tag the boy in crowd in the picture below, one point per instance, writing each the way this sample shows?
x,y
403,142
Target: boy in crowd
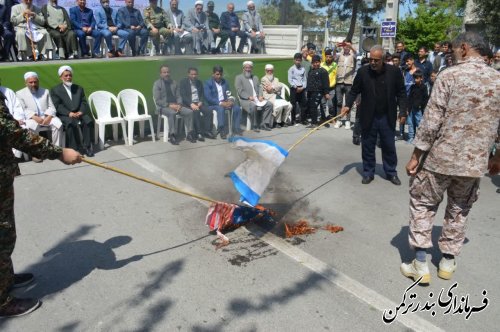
x,y
417,101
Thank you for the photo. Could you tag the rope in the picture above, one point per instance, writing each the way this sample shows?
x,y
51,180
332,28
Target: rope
x,y
312,131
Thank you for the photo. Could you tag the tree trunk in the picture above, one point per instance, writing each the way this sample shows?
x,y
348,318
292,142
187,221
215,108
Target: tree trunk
x,y
283,12
352,26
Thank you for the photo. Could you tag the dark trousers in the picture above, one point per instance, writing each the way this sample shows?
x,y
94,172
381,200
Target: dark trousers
x,y
132,34
8,40
232,39
73,138
7,238
82,39
380,126
313,101
202,120
65,40
301,99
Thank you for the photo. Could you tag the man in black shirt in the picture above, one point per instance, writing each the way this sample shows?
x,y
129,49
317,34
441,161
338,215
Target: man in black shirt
x,y
318,86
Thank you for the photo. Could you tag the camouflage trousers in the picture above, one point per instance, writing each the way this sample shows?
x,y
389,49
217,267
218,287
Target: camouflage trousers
x,y
7,238
426,193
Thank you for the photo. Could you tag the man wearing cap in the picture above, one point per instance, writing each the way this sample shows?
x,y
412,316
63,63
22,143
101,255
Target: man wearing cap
x,y
83,22
130,19
297,79
181,27
215,27
106,22
39,111
318,87
252,24
251,99
73,110
198,20
158,24
271,91
58,25
230,23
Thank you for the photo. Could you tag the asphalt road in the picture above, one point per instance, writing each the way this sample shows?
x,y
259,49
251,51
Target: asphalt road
x,y
111,253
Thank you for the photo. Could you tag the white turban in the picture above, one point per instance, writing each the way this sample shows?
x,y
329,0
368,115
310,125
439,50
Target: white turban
x,y
30,74
247,63
62,69
199,2
269,67
250,3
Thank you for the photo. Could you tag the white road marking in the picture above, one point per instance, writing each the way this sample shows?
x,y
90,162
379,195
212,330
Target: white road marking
x,y
336,277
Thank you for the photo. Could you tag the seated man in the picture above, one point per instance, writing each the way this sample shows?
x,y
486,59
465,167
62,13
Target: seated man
x,y
73,110
15,110
230,24
36,36
215,28
252,24
251,99
271,91
106,23
39,111
130,20
157,23
83,22
198,20
218,96
191,90
169,103
182,36
58,25
6,29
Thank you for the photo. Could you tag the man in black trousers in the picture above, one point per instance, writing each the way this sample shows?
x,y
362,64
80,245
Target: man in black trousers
x,y
382,88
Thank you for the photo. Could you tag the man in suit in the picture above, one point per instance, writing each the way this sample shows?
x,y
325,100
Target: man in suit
x,y
218,96
107,24
83,22
130,20
198,20
191,90
73,110
252,24
38,109
230,24
58,25
182,28
168,102
39,36
382,88
6,29
251,99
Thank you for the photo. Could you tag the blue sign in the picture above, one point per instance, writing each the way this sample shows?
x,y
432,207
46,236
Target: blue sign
x,y
388,29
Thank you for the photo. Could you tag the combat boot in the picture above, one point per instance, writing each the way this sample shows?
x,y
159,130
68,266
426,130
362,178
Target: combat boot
x,y
415,270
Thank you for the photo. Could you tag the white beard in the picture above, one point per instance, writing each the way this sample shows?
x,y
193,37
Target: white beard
x,y
68,84
270,77
247,74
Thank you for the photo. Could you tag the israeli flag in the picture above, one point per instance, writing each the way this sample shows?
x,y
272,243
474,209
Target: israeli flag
x,y
252,176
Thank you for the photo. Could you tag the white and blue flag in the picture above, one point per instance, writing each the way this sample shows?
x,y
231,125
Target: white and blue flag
x,y
252,176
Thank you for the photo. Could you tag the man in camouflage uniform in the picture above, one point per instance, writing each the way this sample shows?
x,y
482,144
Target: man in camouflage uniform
x,y
157,23
214,26
452,145
13,136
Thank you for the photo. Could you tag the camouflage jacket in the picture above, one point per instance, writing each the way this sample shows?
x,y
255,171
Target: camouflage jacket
x,y
462,119
156,17
13,136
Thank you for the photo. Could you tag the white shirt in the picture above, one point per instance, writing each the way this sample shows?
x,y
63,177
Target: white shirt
x,y
220,92
253,87
68,90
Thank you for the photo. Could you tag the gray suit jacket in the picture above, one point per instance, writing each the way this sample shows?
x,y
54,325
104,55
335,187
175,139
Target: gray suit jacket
x,y
182,22
193,20
250,22
244,88
160,94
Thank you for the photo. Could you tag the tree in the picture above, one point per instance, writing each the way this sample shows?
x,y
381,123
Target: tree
x,y
488,12
282,12
430,23
352,9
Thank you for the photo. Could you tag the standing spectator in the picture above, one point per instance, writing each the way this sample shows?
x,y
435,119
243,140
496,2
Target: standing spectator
x,y
318,87
192,95
251,100
252,24
448,62
107,24
271,91
38,108
15,109
230,23
435,56
182,37
6,29
130,20
401,51
311,51
39,35
58,25
345,75
411,68
198,20
168,102
218,96
13,136
297,79
73,110
305,62
214,26
423,64
432,81
158,25
331,68
460,125
382,88
83,22
417,99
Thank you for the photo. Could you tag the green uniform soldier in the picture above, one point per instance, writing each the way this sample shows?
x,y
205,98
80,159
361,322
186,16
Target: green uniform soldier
x,y
13,136
158,24
214,26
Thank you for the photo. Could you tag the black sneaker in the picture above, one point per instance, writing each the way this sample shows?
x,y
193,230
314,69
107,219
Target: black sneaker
x,y
15,307
22,279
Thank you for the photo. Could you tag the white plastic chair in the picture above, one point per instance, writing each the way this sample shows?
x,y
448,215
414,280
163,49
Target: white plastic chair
x,y
130,100
100,103
285,94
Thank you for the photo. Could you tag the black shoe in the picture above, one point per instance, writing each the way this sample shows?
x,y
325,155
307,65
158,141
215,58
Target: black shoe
x,y
498,191
89,152
356,141
367,179
18,307
172,140
201,138
394,180
190,137
223,134
266,128
97,56
22,279
210,135
256,129
238,132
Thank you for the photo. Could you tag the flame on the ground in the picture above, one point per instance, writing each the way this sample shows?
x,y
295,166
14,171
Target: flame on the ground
x,y
333,228
299,228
